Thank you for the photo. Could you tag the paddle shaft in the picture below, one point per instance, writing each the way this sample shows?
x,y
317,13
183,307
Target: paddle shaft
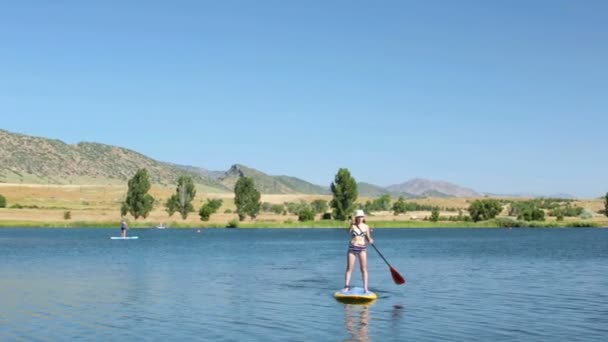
x,y
367,238
397,278
380,254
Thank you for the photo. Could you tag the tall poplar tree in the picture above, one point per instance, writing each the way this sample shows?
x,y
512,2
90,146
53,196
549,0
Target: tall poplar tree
x,y
344,189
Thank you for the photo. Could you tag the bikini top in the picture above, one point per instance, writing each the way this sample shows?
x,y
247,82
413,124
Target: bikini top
x,y
360,233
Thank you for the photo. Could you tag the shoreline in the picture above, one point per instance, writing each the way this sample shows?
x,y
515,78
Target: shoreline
x,y
301,225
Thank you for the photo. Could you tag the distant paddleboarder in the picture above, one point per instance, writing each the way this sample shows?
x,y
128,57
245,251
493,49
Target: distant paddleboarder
x,y
123,228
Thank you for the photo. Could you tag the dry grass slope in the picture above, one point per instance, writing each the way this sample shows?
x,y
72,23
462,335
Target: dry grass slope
x,y
100,204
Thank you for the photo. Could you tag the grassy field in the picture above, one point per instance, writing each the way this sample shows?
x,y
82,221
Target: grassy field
x,y
98,206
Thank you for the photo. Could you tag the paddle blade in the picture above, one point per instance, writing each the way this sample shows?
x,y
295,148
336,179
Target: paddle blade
x,y
397,278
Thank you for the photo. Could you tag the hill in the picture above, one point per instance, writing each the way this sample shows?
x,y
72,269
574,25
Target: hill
x,y
28,159
36,160
270,184
371,190
429,188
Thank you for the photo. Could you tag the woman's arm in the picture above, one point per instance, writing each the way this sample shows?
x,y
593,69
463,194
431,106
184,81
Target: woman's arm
x,y
368,233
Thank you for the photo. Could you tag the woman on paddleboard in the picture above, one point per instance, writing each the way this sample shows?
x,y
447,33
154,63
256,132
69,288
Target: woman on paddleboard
x,y
123,228
360,236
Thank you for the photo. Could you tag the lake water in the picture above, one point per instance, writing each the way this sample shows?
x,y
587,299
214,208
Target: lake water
x,y
278,284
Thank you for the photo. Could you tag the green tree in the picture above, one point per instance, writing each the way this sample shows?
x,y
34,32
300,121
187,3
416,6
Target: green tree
x,y
306,215
2,201
369,206
295,208
277,208
435,215
181,201
319,206
171,206
246,198
209,208
138,202
400,207
485,209
606,205
266,207
532,213
532,210
344,189
383,202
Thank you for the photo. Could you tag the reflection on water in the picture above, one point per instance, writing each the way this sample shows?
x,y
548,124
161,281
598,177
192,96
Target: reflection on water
x,y
396,315
273,284
356,320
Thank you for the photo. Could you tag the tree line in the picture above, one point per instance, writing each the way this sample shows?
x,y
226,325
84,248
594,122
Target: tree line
x,y
344,191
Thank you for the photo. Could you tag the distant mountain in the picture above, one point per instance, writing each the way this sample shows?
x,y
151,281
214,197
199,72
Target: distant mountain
x,y
531,195
371,190
30,159
270,184
202,171
429,188
302,186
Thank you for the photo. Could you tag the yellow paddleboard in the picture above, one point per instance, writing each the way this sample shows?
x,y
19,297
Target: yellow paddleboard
x,y
355,295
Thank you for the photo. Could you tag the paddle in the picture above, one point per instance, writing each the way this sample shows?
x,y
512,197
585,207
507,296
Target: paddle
x,y
397,278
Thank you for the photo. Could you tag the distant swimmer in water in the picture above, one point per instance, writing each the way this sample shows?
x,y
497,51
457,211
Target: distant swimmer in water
x,y
123,228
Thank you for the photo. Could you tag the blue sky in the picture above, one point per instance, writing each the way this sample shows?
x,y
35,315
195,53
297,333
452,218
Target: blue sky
x,y
502,97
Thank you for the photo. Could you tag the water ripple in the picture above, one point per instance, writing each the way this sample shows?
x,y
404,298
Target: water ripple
x,y
234,285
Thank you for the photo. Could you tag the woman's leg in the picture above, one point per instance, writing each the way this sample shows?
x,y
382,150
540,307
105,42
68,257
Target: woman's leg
x,y
363,264
350,263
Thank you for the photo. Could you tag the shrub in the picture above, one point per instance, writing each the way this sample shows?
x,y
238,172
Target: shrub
x,y
319,206
306,215
583,224
509,223
295,208
266,207
567,211
586,214
234,223
2,201
277,208
484,209
531,214
435,215
209,208
326,216
67,215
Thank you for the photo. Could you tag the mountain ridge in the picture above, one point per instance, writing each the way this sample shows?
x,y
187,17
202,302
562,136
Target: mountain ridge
x,y
30,159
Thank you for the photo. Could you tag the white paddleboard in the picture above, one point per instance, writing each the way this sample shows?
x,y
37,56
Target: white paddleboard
x,y
124,238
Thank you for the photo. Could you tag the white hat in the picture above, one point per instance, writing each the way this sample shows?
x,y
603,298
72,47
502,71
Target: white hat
x,y
359,213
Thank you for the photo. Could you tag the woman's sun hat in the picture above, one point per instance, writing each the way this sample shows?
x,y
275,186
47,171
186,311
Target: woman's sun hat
x,y
359,213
